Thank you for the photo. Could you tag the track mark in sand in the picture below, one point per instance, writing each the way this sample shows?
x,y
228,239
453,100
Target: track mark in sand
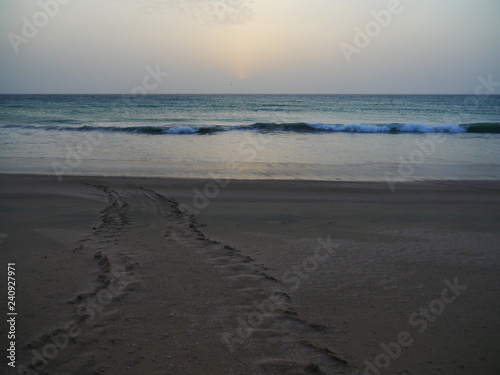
x,y
277,341
67,349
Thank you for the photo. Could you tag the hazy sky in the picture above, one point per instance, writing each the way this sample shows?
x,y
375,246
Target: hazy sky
x,y
248,46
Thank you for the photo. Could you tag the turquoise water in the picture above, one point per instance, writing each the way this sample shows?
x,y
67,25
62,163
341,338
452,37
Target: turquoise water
x,y
321,137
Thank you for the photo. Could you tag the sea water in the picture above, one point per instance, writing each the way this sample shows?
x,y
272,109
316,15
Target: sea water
x,y
317,137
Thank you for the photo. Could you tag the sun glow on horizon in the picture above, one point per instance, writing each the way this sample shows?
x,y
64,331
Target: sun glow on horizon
x,y
290,46
244,50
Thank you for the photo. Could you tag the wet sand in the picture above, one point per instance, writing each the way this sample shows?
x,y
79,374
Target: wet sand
x,y
148,276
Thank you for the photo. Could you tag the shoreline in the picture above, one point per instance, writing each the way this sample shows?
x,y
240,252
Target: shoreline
x,y
243,180
150,288
390,172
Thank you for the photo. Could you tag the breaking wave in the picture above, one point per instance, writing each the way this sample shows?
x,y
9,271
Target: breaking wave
x,y
302,127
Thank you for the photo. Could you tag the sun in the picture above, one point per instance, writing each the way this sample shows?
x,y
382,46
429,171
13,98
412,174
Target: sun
x,y
244,50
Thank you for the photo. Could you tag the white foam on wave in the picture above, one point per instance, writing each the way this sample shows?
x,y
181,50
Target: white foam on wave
x,y
422,128
180,131
340,128
353,128
403,128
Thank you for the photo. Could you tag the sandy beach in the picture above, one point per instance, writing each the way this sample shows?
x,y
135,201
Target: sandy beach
x,y
177,276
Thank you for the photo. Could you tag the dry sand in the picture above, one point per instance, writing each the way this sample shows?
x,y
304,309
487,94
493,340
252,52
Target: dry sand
x,y
115,277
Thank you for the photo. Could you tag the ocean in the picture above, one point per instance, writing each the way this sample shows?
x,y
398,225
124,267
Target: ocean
x,y
389,138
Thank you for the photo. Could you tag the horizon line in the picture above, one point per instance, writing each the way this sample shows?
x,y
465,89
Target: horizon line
x,y
227,93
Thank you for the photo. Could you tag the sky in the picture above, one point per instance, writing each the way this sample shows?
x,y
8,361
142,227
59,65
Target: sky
x,y
248,46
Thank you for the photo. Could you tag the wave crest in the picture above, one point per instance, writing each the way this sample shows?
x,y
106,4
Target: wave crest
x,y
484,128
